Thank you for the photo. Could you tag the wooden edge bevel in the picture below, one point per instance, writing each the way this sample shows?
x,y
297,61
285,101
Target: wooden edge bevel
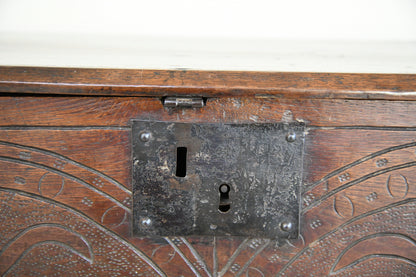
x,y
181,82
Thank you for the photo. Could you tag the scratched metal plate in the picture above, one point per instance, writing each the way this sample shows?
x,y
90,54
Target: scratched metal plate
x,y
261,168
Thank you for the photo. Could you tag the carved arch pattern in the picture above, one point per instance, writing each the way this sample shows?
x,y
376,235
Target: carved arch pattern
x,y
370,203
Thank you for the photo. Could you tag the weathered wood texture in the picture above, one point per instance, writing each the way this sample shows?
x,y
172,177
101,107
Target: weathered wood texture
x,y
124,82
117,111
65,190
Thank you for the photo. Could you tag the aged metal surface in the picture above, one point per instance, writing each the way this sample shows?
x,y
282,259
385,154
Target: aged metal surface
x,y
183,102
217,179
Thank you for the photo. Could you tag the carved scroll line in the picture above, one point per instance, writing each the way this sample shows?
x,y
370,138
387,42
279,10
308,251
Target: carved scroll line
x,y
61,243
229,262
32,227
254,269
388,186
396,257
87,218
292,245
361,160
66,175
107,211
68,160
293,259
196,255
234,256
40,185
386,234
155,250
184,258
42,243
357,181
334,206
215,258
247,264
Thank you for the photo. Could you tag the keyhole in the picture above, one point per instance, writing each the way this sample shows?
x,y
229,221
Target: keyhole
x,y
224,198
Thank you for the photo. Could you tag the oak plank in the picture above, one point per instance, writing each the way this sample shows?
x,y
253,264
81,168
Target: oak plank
x,y
118,111
133,82
341,223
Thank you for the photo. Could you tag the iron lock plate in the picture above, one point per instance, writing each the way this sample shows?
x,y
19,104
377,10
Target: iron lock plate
x,y
217,179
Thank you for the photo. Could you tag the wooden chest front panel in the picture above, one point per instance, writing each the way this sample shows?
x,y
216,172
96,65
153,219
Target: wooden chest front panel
x,y
65,190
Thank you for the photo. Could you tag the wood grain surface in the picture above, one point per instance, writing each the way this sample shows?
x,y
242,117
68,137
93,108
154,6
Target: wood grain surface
x,y
118,111
132,82
65,190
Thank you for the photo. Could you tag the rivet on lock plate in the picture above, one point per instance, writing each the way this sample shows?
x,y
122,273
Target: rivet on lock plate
x,y
192,179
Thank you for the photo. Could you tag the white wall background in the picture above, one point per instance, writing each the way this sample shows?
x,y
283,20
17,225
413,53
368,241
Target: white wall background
x,y
369,36
300,19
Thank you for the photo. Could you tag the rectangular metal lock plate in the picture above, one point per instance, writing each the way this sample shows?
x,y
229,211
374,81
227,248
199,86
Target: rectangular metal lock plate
x,y
217,179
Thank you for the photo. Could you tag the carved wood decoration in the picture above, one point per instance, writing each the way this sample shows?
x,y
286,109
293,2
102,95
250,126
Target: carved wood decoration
x,y
65,190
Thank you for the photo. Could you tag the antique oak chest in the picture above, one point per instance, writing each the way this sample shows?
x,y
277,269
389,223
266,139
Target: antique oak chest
x,y
131,172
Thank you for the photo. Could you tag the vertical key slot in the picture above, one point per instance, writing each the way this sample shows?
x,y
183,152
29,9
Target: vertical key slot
x,y
181,161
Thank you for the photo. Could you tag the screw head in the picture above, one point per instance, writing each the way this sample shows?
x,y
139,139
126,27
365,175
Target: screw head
x,y
286,226
291,137
145,136
146,222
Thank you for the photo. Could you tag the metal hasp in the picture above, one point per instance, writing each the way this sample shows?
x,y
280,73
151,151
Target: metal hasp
x,y
217,179
183,102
